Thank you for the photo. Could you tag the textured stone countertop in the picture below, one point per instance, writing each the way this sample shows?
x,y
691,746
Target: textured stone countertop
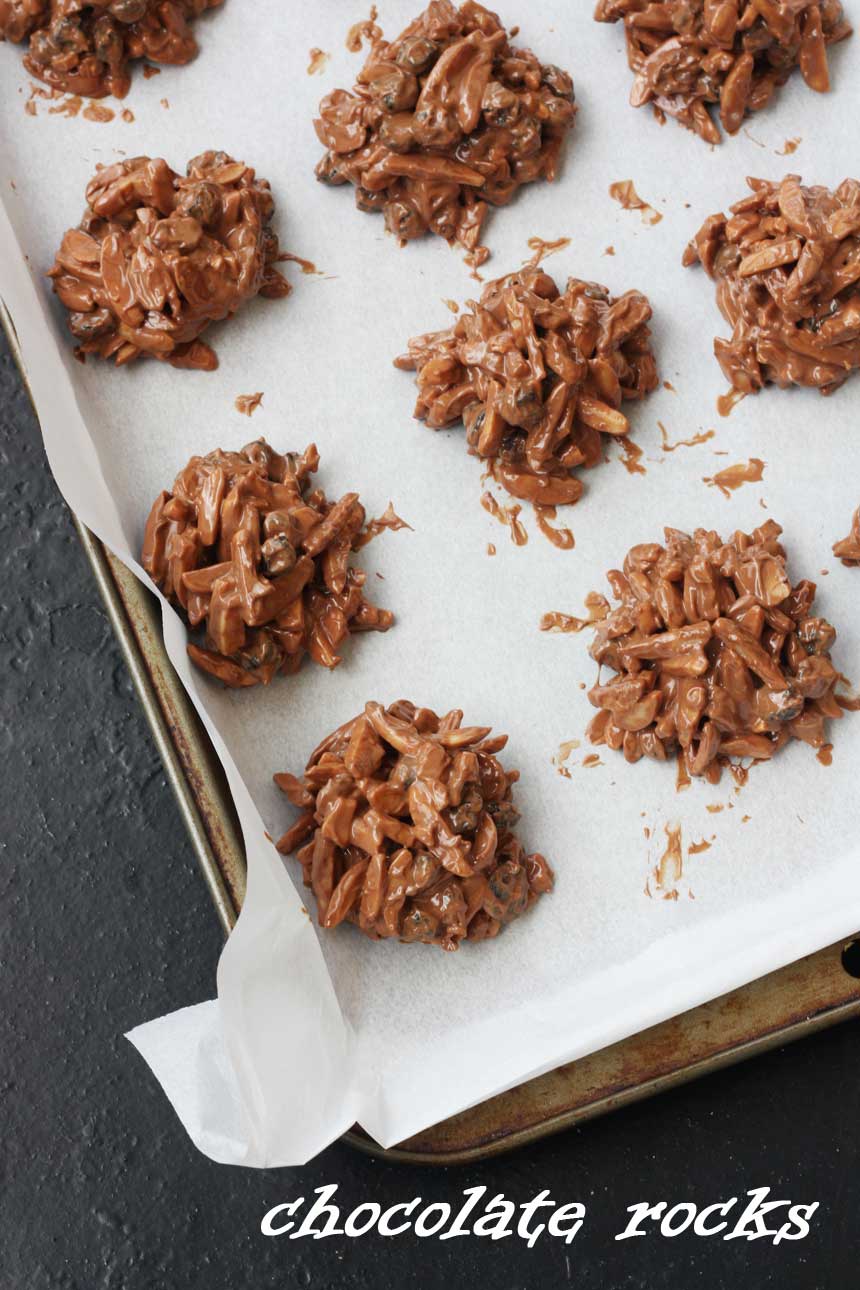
x,y
104,922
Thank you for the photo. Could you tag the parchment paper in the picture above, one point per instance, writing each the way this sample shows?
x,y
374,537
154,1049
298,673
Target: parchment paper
x,y
311,1032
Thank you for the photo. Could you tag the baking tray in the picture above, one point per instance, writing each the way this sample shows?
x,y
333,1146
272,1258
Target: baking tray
x,y
806,996
799,999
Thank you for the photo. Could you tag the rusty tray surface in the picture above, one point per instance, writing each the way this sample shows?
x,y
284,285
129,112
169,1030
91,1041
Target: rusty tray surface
x,y
805,996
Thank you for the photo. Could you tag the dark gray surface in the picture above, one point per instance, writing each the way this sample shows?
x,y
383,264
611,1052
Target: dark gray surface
x,y
104,922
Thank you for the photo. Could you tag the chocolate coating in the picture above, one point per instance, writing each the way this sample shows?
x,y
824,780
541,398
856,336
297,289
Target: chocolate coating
x,y
716,655
537,376
247,551
157,257
85,46
410,822
690,55
19,18
787,264
442,121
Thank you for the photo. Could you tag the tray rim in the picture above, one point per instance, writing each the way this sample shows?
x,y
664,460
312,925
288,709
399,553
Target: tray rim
x,y
199,787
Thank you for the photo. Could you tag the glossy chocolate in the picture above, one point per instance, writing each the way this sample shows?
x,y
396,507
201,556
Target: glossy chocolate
x,y
408,827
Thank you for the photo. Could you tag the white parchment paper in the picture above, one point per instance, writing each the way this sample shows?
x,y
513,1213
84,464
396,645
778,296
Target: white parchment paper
x,y
313,1032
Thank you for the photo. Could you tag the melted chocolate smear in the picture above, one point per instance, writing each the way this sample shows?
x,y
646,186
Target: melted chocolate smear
x,y
726,402
492,507
36,92
732,477
318,59
98,112
247,404
740,774
598,609
561,538
669,869
560,759
542,248
703,437
508,516
632,457
556,622
306,266
519,536
69,107
363,30
626,195
389,519
473,260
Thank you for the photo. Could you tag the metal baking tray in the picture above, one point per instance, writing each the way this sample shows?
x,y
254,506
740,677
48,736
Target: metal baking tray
x,y
806,996
815,992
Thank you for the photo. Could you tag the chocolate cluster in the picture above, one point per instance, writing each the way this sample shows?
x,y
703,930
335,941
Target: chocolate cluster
x,y
537,377
443,121
408,829
85,46
716,655
157,257
786,262
259,561
688,56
